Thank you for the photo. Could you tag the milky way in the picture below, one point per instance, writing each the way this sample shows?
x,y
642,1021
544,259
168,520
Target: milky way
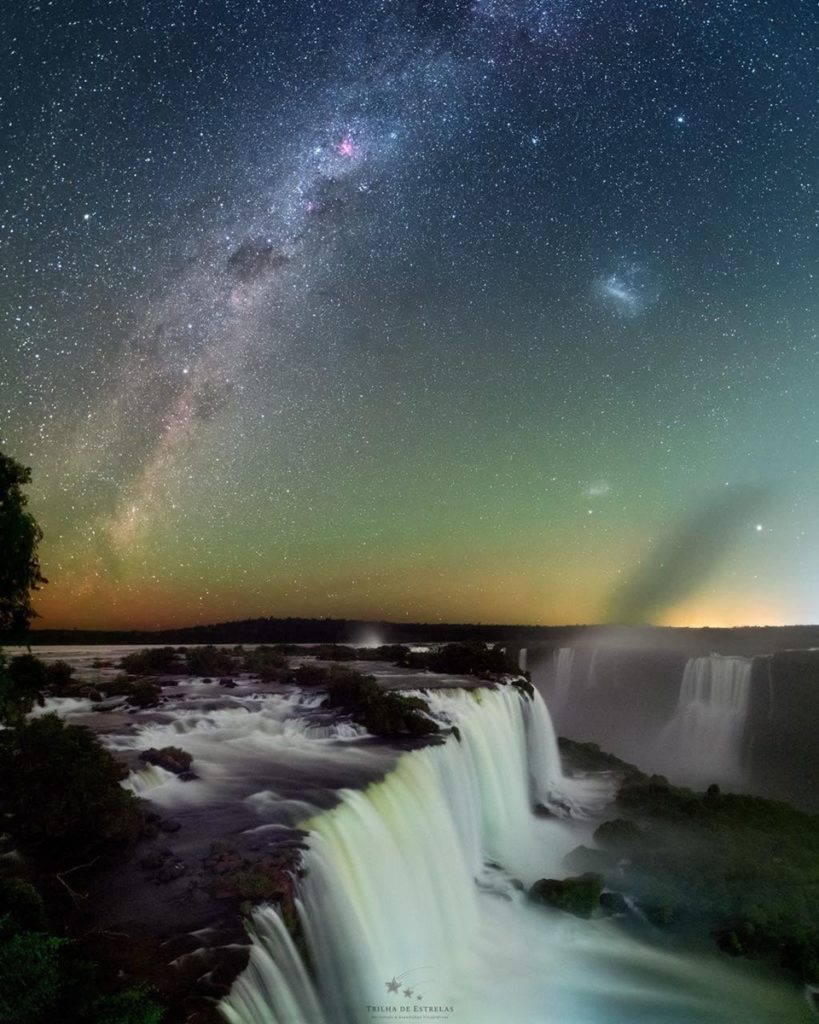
x,y
426,309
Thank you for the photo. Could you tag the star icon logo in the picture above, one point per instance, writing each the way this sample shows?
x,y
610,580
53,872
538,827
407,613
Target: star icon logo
x,y
393,986
408,993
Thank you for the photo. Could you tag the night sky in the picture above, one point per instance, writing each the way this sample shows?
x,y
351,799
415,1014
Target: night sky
x,y
430,310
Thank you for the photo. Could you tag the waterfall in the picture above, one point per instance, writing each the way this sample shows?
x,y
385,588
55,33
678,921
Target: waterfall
x,y
410,908
275,987
591,674
563,665
390,872
705,739
143,780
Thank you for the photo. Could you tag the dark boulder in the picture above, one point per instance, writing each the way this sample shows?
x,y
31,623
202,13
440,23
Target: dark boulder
x,y
618,834
579,895
613,903
172,759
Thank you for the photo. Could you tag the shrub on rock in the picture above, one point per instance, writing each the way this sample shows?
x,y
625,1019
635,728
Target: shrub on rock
x,y
208,661
381,712
152,661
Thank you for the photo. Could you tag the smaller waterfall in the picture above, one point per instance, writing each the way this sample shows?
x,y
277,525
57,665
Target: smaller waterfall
x,y
145,779
563,665
704,741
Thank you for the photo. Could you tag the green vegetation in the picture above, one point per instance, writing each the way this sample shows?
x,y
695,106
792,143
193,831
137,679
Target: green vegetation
x,y
44,979
741,869
381,712
29,974
129,1006
153,661
618,834
268,663
21,902
60,799
208,661
59,785
470,659
579,896
20,536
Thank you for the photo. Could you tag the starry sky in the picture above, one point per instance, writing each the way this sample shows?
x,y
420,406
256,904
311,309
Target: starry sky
x,y
467,310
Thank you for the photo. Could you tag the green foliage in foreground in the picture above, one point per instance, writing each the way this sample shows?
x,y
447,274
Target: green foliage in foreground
x,y
59,785
745,867
131,1006
43,980
20,536
742,869
29,974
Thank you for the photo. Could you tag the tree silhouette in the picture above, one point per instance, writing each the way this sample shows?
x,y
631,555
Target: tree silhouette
x,y
20,536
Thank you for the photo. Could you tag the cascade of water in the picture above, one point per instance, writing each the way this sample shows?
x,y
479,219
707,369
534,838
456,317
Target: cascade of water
x,y
396,928
563,665
591,675
145,779
428,829
704,740
275,987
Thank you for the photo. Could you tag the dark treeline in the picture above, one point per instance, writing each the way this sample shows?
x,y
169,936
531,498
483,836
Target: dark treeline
x,y
744,640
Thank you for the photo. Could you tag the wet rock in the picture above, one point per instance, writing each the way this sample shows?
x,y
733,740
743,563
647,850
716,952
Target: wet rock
x,y
584,858
579,896
613,903
223,859
154,859
172,759
171,870
618,834
228,683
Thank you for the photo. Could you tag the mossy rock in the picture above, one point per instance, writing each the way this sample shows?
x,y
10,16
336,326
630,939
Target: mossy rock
x,y
579,895
612,903
618,834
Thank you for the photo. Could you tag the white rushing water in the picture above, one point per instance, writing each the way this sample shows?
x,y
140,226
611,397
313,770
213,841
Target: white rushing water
x,y
705,740
411,908
562,669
